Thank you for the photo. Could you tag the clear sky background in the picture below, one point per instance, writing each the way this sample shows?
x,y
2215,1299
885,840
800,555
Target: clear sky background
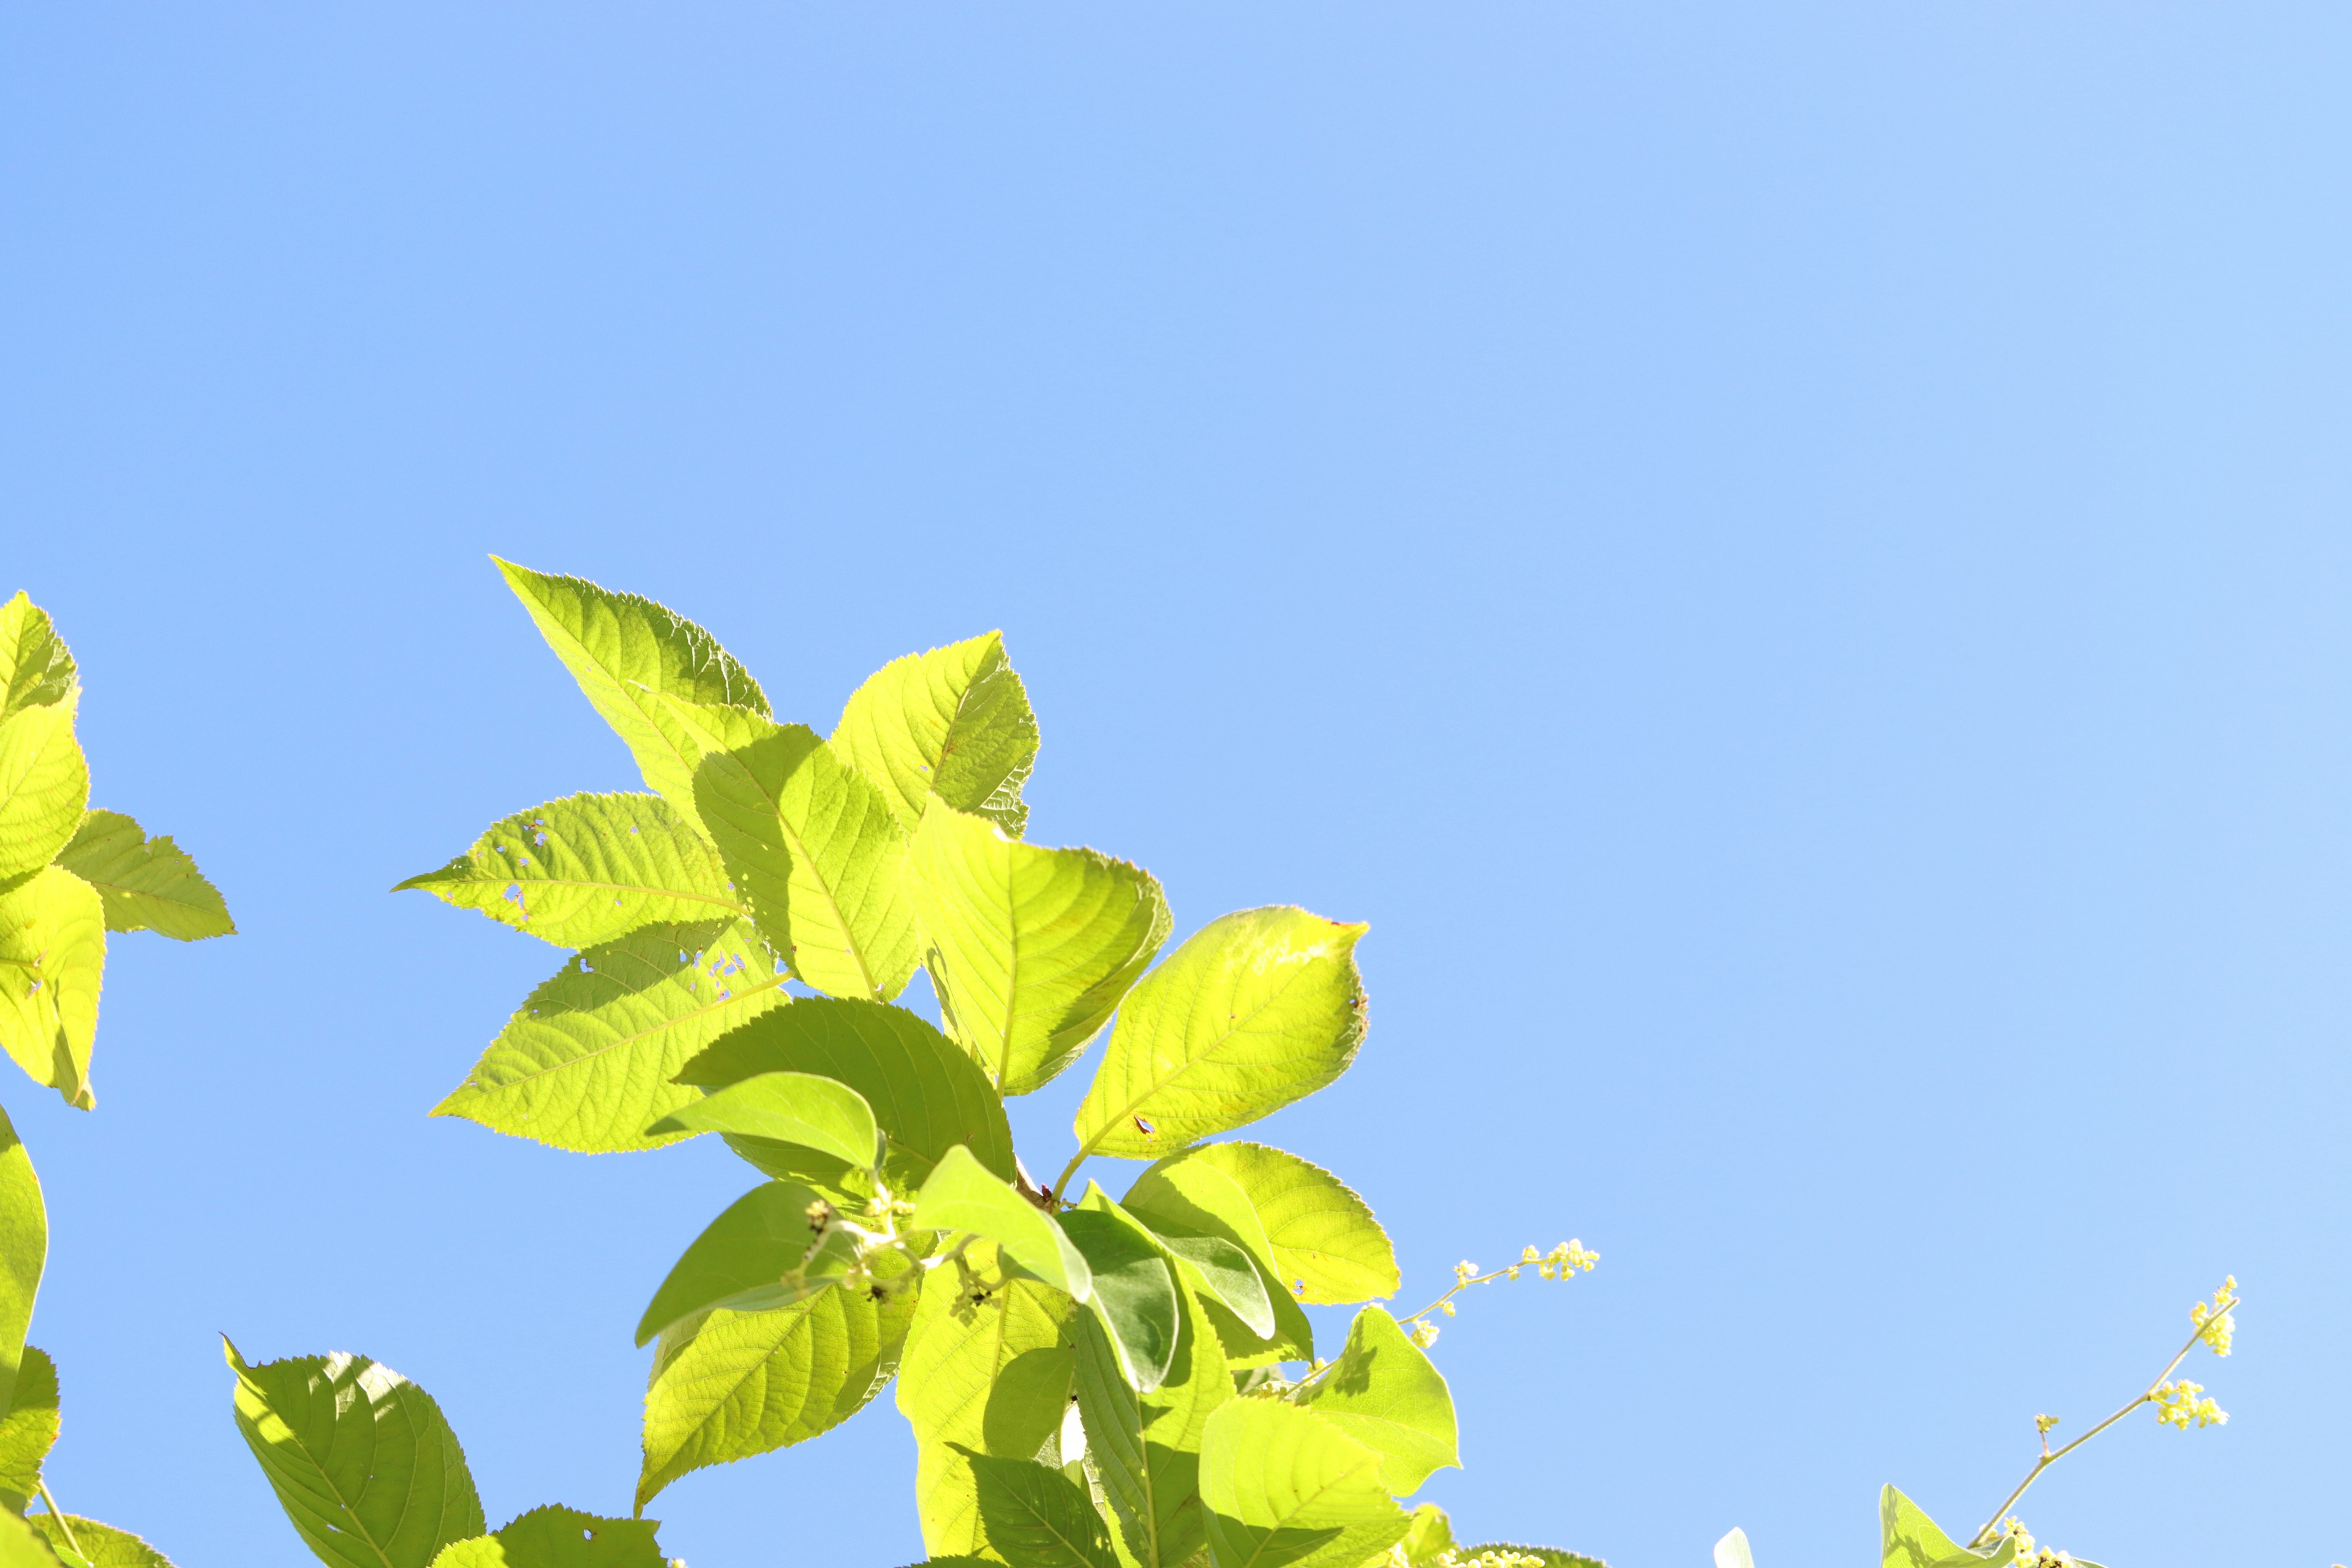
x,y
1791,560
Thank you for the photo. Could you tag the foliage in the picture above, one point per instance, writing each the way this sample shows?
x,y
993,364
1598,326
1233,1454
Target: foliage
x,y
68,874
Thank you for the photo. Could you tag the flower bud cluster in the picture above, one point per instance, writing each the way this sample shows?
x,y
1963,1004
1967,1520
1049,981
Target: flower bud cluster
x,y
2184,1403
2214,1324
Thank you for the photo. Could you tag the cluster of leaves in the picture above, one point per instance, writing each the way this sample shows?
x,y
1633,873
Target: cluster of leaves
x,y
68,874
1091,1381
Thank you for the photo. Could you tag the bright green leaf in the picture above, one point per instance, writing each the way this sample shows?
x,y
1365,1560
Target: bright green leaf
x,y
629,654
1430,1536
991,1376
1182,1198
1909,1538
587,870
731,1384
1133,1288
586,1064
29,1429
556,1537
798,1107
360,1459
926,1094
962,1195
100,1545
1228,1275
1146,1447
1030,949
1256,1010
52,961
145,884
44,785
1327,1246
762,1251
1036,1517
954,721
23,1250
24,1545
35,669
1286,1489
1383,1392
813,844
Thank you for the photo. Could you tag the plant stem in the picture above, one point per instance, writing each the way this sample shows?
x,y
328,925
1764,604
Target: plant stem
x,y
1060,1191
1984,1536
58,1514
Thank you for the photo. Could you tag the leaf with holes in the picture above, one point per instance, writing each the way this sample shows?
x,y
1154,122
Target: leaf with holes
x,y
587,870
953,722
1030,949
52,963
629,654
360,1457
1256,1010
556,1537
587,1063
144,884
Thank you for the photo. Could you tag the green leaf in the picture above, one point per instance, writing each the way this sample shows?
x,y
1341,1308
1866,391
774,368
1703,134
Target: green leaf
x,y
1383,1392
762,1251
813,844
1286,1489
1030,949
954,721
1732,1552
360,1459
587,870
1226,1275
556,1537
1909,1538
586,1064
963,1194
24,1251
29,1430
1550,1556
35,669
989,1375
23,1546
1326,1246
52,961
1256,1010
145,884
629,654
1430,1536
1133,1290
1036,1517
44,785
798,1107
1178,1199
1146,1447
926,1094
731,1384
102,1545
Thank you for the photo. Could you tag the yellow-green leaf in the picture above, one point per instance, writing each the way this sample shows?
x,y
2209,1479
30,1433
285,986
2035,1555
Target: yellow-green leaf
x,y
1909,1538
1324,1243
954,721
1029,949
1383,1392
44,785
145,884
557,1537
35,669
24,1252
99,1545
1146,1447
52,961
1284,1486
962,1195
29,1430
1256,1010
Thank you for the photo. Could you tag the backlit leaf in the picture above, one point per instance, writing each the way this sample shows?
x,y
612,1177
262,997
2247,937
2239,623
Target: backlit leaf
x,y
24,1251
1036,1517
100,1545
360,1459
587,870
1133,1290
798,1107
587,1063
954,721
52,961
1286,1489
35,669
144,884
1430,1536
29,1429
629,654
1256,1010
927,1095
732,1384
962,1195
812,844
1030,949
1383,1392
760,1252
1183,1198
991,1376
1327,1246
44,785
1146,1447
557,1537
1909,1538
23,1546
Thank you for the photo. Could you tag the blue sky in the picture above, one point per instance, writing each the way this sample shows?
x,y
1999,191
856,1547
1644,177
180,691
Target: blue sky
x,y
1791,560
